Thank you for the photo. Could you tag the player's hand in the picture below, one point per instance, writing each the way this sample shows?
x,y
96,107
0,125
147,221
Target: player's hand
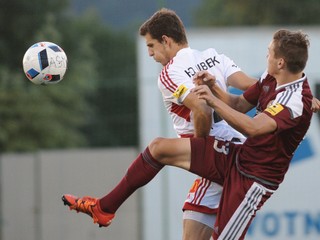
x,y
204,78
315,107
203,92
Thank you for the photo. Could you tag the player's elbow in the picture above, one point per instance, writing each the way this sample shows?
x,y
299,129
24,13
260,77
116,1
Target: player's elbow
x,y
255,130
252,132
203,110
203,115
261,125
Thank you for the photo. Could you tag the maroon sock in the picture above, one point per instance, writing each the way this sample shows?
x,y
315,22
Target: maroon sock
x,y
141,171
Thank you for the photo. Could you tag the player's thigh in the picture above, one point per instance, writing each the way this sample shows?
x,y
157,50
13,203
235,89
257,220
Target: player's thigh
x,y
172,151
194,230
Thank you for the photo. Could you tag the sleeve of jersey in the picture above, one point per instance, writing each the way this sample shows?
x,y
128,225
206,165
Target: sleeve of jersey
x,y
230,66
282,115
252,93
286,115
174,84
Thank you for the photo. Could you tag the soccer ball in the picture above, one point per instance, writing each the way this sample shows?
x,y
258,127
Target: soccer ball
x,y
45,63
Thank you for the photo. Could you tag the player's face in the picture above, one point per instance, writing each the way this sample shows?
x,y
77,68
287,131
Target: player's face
x,y
272,61
157,50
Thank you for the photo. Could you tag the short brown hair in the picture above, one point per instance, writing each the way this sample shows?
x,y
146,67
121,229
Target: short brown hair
x,y
293,47
165,22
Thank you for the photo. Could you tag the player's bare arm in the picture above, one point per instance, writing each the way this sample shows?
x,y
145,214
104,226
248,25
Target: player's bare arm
x,y
241,81
202,114
234,101
259,125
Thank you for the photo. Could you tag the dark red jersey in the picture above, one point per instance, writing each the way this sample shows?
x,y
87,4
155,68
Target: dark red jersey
x,y
267,157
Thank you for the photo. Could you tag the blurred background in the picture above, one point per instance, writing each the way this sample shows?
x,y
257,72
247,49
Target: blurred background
x,y
80,135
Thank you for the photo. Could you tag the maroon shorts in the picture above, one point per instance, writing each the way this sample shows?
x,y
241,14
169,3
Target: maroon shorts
x,y
241,196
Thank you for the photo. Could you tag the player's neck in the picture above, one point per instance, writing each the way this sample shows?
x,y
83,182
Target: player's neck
x,y
287,77
177,47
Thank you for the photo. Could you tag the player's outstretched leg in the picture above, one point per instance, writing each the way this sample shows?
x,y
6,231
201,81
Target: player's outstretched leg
x,y
145,167
102,210
89,206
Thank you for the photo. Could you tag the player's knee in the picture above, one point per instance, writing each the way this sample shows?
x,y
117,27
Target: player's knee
x,y
155,148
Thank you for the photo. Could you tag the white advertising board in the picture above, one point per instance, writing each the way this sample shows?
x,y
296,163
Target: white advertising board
x,y
293,212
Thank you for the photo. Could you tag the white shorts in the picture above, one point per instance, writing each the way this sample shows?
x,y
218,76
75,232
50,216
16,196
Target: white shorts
x,y
204,218
204,196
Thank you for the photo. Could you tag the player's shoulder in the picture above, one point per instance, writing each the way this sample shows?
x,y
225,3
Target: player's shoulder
x,y
298,85
191,53
296,96
183,58
211,52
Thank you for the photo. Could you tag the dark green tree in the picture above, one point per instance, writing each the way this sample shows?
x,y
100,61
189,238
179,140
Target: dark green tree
x,y
79,111
257,12
113,104
34,117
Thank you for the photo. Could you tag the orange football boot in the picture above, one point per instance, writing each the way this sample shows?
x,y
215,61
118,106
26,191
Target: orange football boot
x,y
90,206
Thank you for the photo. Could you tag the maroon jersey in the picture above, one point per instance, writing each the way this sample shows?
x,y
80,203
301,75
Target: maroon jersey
x,y
267,157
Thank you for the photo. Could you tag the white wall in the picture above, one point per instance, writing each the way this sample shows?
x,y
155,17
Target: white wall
x,y
294,211
32,186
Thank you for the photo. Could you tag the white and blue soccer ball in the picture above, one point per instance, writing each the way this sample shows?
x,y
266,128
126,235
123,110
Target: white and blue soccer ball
x,y
45,63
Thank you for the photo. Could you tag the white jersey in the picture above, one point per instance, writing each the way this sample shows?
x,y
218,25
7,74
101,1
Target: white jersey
x,y
175,83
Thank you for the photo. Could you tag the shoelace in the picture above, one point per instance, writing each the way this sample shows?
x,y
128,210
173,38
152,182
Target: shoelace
x,y
85,206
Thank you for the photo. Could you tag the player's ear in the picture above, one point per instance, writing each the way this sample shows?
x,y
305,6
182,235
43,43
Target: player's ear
x,y
165,39
281,63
